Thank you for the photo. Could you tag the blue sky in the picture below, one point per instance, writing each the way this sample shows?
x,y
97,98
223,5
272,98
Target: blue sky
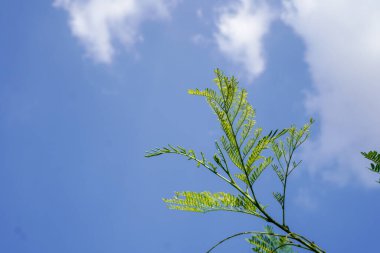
x,y
86,87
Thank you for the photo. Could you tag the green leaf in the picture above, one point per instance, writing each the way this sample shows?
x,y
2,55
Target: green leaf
x,y
373,156
279,197
251,142
242,177
279,173
269,243
258,170
207,202
242,145
190,154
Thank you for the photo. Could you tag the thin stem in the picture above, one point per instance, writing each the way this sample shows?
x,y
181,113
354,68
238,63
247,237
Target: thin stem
x,y
288,244
226,169
284,186
244,233
236,211
265,216
241,159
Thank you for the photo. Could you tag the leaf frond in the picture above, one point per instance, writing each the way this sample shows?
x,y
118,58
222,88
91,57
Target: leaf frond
x,y
190,154
374,157
269,243
256,172
207,202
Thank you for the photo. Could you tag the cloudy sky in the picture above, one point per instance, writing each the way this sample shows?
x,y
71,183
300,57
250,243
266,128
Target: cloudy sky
x,y
87,86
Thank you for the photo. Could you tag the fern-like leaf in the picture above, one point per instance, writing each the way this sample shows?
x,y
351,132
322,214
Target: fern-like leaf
x,y
237,120
190,154
258,170
374,157
262,145
269,243
244,146
251,142
207,202
279,197
279,172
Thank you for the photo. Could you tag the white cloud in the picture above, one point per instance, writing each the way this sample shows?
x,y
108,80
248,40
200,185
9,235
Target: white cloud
x,y
99,24
343,52
241,29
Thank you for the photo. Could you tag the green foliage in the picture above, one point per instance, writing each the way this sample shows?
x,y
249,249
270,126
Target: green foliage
x,y
270,242
236,117
374,157
284,152
206,202
190,154
239,160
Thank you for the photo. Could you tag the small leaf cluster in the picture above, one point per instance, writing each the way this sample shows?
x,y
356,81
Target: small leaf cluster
x,y
284,156
270,242
207,202
374,157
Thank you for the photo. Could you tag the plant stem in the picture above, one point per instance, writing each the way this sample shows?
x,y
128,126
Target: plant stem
x,y
264,215
285,184
244,233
